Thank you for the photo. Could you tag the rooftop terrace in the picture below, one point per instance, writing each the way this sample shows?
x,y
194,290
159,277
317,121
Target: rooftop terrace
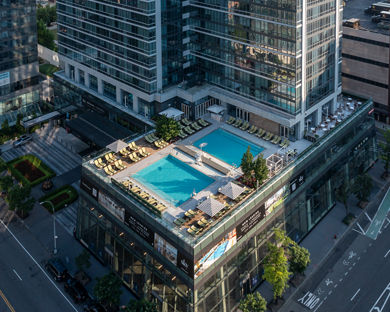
x,y
208,208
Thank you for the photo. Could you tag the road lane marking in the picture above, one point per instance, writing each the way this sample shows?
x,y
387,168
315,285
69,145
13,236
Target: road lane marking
x,y
376,306
16,273
318,306
10,307
353,297
387,253
36,262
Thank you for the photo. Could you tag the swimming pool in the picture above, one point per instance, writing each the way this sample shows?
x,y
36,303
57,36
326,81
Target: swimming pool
x,y
172,179
227,146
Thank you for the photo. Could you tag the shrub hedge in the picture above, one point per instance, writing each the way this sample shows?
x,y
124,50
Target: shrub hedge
x,y
73,195
49,173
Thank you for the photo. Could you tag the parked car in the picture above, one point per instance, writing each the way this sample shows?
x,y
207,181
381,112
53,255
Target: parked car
x,y
76,290
57,269
22,140
94,306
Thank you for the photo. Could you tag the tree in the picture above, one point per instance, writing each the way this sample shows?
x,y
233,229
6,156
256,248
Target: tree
x,y
6,182
362,187
342,194
385,150
260,169
45,36
20,129
167,128
83,260
276,270
5,127
299,258
20,200
47,14
247,163
253,303
141,306
108,290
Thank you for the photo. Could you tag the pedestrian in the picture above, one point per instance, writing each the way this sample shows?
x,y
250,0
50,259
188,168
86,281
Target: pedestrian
x,y
335,236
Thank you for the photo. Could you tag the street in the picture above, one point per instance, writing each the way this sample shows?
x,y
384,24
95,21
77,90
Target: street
x,y
355,277
24,283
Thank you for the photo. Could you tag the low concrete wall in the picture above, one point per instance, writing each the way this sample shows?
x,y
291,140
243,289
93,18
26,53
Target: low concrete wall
x,y
48,55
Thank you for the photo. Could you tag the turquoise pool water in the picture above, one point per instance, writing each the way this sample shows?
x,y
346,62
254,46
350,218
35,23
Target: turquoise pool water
x,y
172,179
227,146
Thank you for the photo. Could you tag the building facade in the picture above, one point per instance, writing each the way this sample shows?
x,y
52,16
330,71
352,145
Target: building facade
x,y
267,62
185,273
365,69
19,73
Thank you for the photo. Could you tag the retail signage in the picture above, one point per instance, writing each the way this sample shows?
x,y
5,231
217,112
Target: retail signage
x,y
139,228
216,252
185,264
165,248
89,188
275,200
297,182
4,79
245,226
111,206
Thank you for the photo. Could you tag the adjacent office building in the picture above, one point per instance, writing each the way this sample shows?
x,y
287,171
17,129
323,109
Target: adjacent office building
x,y
267,62
365,69
19,80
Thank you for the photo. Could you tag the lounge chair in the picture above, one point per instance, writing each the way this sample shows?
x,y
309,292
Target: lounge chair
x,y
178,222
238,123
106,170
231,120
144,195
271,137
188,215
252,129
245,126
195,126
134,154
124,152
97,164
277,140
149,139
203,123
112,169
107,158
182,134
132,158
191,231
152,201
189,130
121,164
144,152
186,122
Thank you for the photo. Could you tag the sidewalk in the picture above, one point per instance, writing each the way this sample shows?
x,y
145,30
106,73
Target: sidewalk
x,y
321,240
36,234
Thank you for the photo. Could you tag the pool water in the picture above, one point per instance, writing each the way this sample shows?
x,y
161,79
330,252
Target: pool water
x,y
227,146
172,179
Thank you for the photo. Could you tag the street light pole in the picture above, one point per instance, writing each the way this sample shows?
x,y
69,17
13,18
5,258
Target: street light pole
x,y
54,226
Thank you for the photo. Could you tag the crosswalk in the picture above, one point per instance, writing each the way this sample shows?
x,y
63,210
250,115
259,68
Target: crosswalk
x,y
53,153
67,217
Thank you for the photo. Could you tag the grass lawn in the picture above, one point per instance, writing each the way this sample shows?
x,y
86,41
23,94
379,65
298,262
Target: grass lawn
x,y
48,69
30,170
60,197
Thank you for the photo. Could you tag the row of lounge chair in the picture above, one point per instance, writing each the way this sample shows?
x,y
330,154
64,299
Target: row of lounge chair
x,y
145,196
132,147
114,168
260,133
160,143
150,138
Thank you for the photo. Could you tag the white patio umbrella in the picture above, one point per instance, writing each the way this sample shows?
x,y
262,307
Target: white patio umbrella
x,y
211,206
117,146
231,190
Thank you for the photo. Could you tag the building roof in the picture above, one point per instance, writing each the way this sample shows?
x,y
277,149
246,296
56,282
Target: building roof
x,y
172,112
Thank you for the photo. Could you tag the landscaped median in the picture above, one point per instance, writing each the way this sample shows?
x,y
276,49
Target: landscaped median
x,y
30,170
60,197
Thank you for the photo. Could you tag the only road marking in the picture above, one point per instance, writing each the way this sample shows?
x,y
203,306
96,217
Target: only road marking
x,y
10,307
353,297
16,273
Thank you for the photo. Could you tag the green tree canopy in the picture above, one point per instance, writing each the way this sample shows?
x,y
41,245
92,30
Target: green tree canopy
x,y
167,128
362,187
47,14
385,150
299,258
276,270
253,303
20,200
260,169
83,260
247,163
108,290
141,306
45,36
6,182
